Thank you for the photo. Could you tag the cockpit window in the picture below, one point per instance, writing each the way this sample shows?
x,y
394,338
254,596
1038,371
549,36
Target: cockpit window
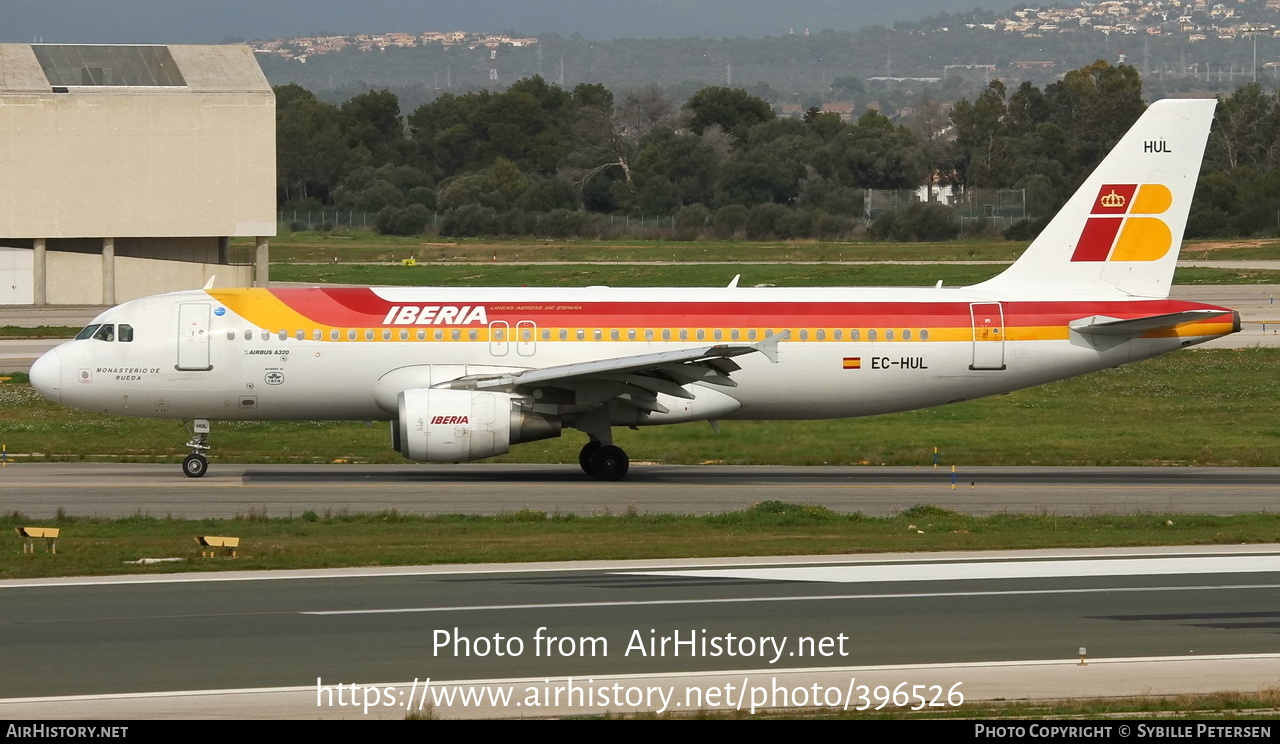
x,y
106,332
88,331
125,332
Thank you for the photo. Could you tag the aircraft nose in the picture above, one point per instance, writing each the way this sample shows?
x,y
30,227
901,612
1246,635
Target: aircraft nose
x,y
46,376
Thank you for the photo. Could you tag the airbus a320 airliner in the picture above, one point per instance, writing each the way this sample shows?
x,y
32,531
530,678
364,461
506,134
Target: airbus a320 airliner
x,y
464,373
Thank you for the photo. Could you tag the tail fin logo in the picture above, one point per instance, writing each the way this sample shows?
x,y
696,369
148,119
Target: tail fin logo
x,y
1122,225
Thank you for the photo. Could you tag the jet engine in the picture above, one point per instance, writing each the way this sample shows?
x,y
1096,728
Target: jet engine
x,y
458,425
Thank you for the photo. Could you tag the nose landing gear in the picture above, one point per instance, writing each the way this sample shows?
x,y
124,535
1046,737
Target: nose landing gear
x,y
195,465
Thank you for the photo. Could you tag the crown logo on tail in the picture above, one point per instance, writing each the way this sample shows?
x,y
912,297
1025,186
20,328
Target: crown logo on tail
x,y
1112,200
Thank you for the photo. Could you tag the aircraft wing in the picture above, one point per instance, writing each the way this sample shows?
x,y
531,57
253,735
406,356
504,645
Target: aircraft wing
x,y
1102,325
661,372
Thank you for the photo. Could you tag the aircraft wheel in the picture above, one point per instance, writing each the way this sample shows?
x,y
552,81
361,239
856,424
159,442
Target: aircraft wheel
x,y
584,456
194,466
608,463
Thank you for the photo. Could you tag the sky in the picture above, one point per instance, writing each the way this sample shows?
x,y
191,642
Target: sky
x,y
186,22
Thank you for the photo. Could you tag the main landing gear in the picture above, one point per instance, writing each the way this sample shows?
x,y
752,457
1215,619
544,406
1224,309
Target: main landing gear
x,y
195,465
604,461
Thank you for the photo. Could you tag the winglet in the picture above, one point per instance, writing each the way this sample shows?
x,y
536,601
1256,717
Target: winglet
x,y
209,284
769,346
736,277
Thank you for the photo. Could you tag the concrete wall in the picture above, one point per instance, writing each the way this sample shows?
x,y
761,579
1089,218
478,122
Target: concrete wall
x,y
127,162
80,277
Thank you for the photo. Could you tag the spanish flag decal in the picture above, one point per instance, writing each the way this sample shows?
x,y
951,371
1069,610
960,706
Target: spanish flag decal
x,y
853,362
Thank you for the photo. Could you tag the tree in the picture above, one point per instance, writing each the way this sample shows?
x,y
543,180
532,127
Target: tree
x,y
311,152
732,109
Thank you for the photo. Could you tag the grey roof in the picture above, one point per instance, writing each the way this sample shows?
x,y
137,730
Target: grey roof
x,y
134,69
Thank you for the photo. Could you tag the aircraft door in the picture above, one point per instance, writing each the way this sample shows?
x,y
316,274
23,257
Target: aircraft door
x,y
526,338
193,336
988,335
499,342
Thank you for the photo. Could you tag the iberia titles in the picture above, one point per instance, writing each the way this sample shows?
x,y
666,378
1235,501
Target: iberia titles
x,y
436,315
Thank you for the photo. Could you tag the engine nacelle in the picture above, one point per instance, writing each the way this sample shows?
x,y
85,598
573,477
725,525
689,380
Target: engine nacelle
x,y
458,425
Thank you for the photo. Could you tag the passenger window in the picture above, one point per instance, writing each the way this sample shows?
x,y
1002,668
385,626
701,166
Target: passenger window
x,y
684,334
368,334
888,335
473,334
231,334
581,334
248,335
283,335
906,335
631,334
457,334
717,335
751,335
701,334
666,334
804,334
613,335
335,334
837,334
266,335
317,334
351,335
546,334
106,332
924,335
301,335
126,333
648,334
564,334
597,335
404,334
733,335
853,334
871,334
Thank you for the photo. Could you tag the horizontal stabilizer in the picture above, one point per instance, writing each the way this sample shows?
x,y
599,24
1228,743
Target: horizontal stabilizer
x,y
1102,325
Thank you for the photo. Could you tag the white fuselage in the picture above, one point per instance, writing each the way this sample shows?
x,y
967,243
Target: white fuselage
x,y
322,354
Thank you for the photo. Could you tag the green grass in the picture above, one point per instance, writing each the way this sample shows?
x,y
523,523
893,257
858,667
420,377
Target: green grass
x,y
581,275
97,546
359,247
1196,407
17,332
1168,710
717,275
367,246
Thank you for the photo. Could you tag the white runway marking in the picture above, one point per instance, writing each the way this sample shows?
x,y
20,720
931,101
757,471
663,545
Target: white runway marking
x,y
801,598
991,570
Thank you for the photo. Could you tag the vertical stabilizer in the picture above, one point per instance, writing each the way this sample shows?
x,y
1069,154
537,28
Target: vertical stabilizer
x,y
1120,234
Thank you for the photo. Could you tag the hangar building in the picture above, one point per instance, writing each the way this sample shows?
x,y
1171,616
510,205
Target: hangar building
x,y
126,170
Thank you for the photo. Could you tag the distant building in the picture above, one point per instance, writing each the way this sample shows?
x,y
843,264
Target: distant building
x,y
125,170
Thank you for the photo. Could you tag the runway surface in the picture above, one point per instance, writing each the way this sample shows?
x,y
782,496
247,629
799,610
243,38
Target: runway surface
x,y
38,490
992,625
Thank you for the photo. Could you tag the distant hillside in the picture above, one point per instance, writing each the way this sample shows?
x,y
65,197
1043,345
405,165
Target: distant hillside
x,y
168,22
796,68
